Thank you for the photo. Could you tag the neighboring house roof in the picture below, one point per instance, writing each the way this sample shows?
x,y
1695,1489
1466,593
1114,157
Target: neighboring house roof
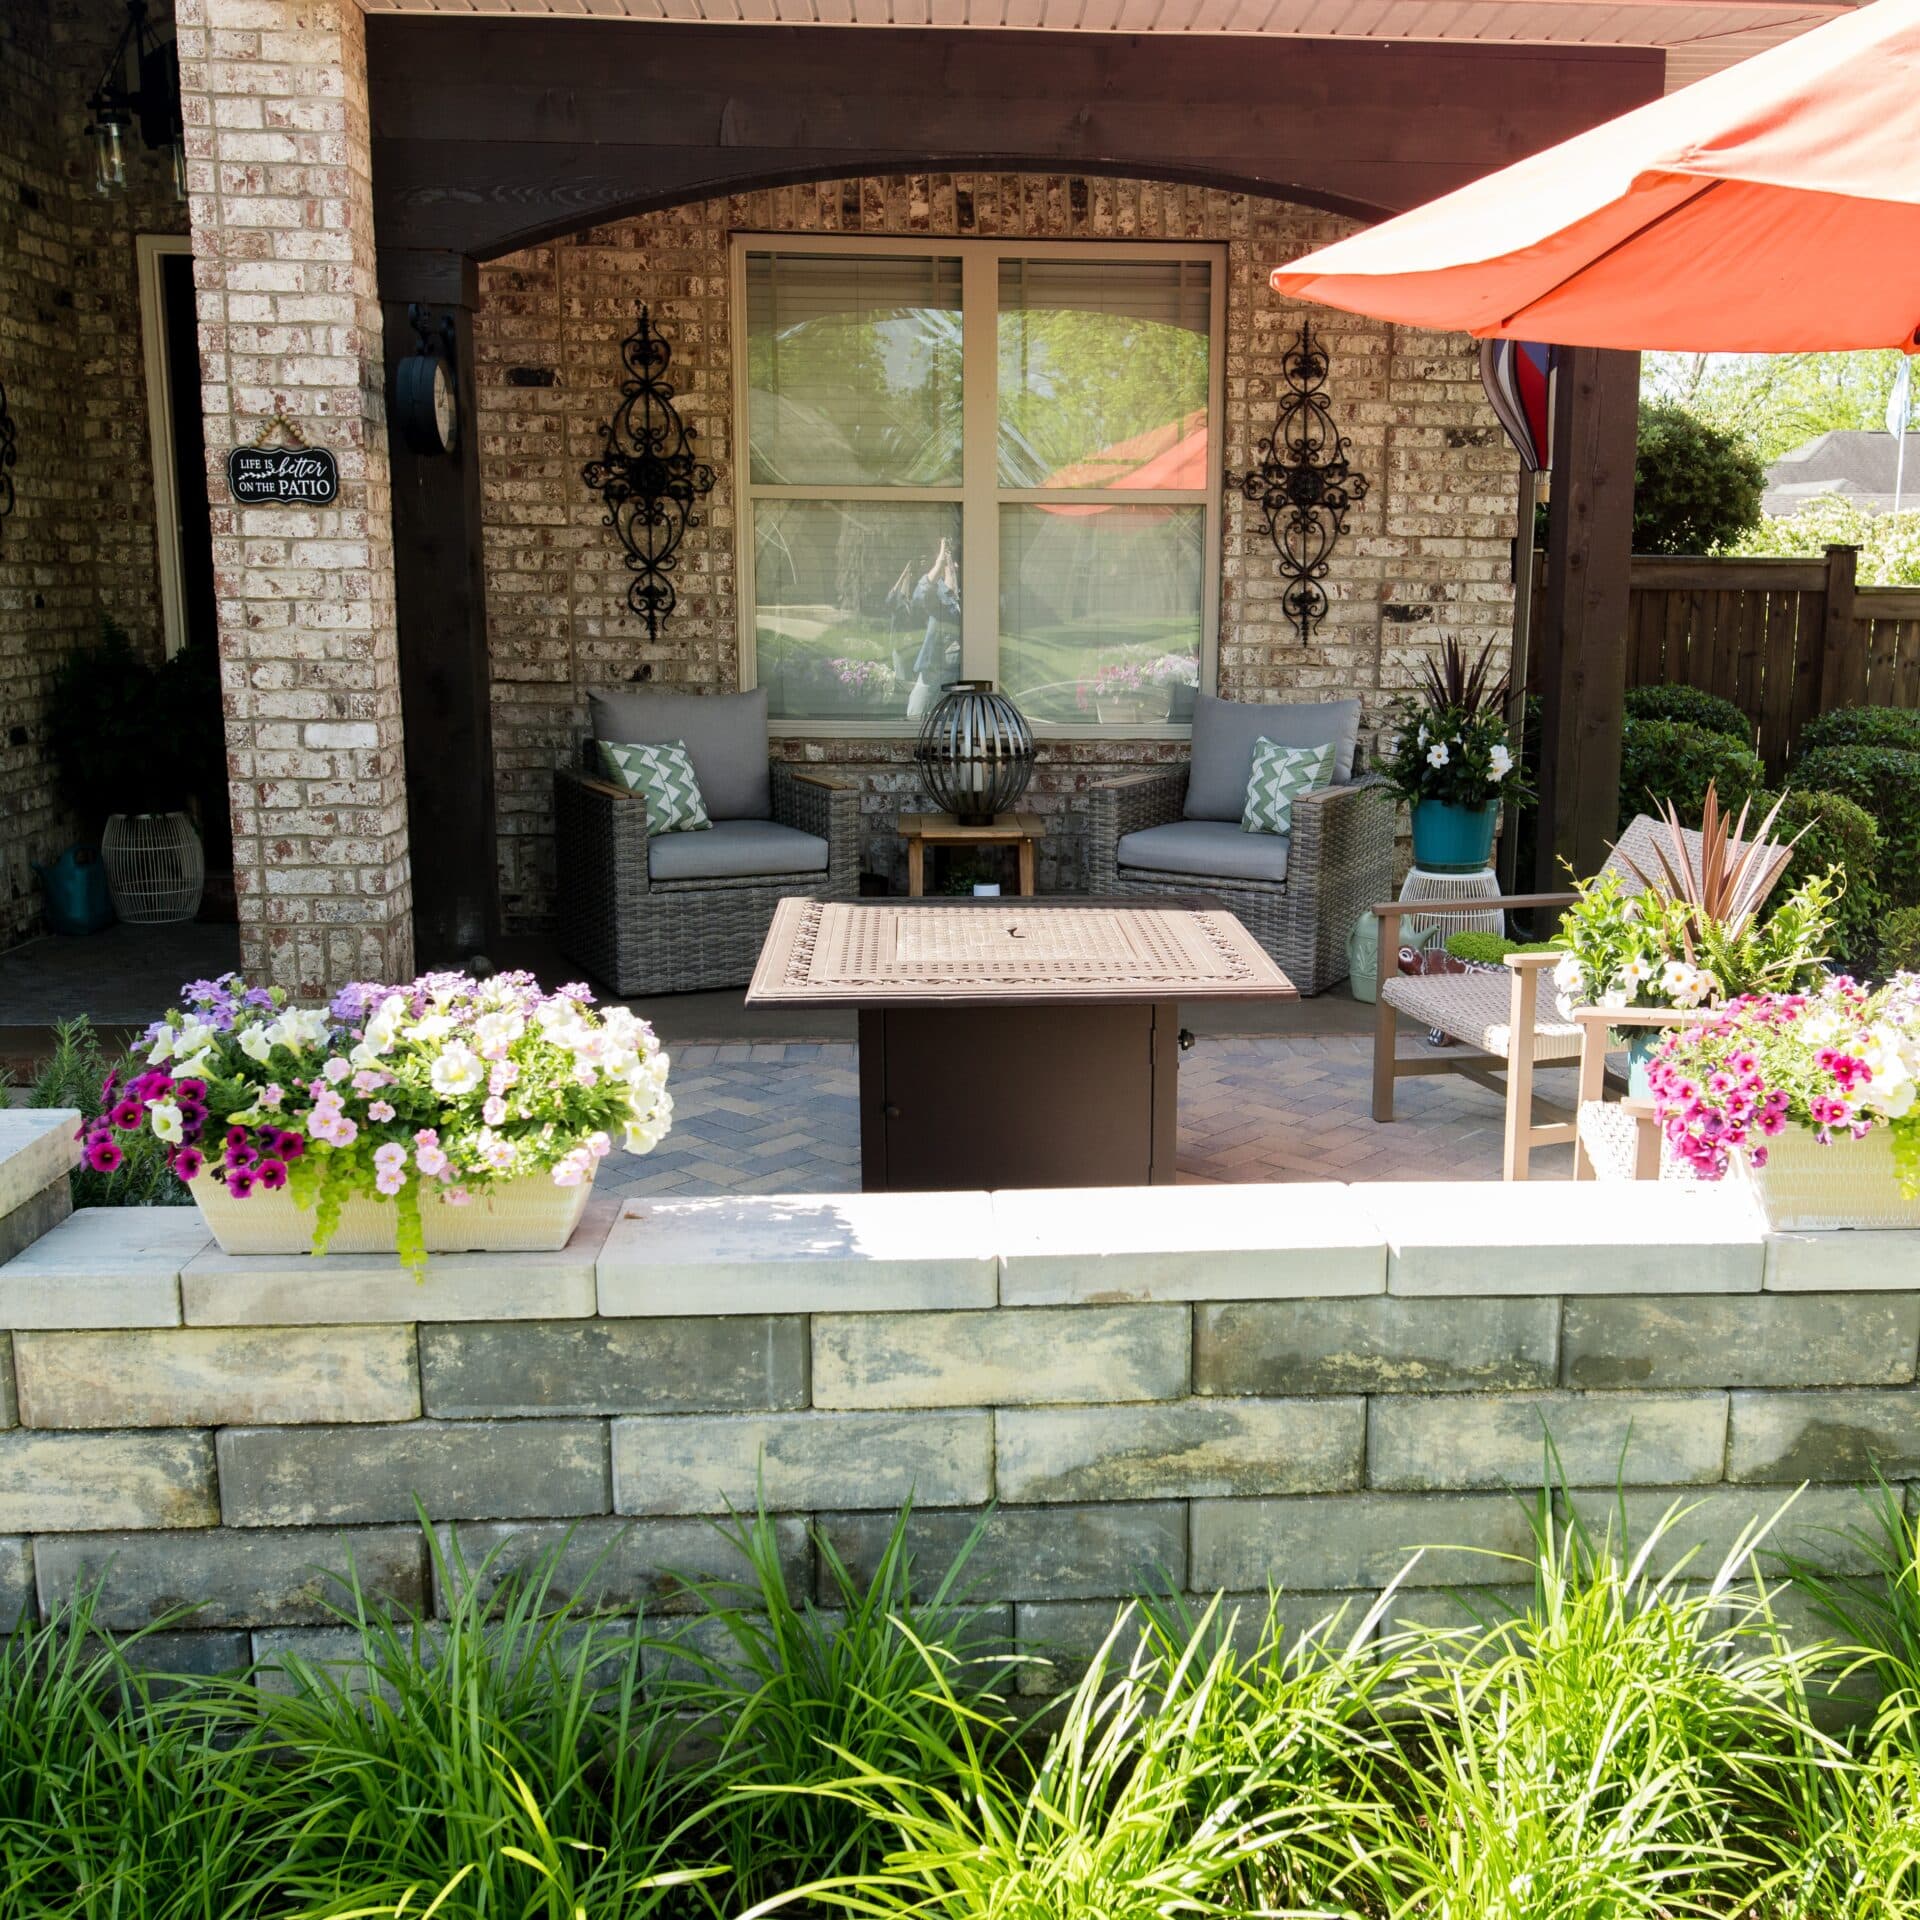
x,y
1856,463
1700,36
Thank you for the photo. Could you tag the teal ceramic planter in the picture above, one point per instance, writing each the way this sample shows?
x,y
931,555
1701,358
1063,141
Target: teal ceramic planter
x,y
1642,1044
1450,839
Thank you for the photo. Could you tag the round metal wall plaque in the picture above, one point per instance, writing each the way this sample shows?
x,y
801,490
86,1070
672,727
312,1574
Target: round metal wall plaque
x,y
283,476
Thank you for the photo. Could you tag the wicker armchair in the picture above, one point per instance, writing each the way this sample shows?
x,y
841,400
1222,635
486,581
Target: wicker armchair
x,y
1338,864
639,935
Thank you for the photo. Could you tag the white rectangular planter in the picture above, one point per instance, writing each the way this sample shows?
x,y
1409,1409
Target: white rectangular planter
x,y
527,1215
1849,1183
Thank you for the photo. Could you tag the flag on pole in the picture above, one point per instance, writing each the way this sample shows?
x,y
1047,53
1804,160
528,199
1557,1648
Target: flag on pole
x,y
1900,400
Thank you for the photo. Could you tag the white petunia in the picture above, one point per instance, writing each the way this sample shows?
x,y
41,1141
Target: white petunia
x,y
459,1070
1500,758
167,1122
255,1044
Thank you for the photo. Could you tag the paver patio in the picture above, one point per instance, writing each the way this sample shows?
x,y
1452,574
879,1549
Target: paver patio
x,y
773,1117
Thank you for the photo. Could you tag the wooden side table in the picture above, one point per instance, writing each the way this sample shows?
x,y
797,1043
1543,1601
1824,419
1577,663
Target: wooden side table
x,y
923,830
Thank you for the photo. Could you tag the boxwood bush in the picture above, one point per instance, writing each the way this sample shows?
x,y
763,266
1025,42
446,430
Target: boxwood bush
x,y
1899,943
1674,760
1693,705
1863,727
1886,782
1838,832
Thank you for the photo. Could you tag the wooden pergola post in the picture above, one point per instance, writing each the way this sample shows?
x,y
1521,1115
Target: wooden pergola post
x,y
1581,619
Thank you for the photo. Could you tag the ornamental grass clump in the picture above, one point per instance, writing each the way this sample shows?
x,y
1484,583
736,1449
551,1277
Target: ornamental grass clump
x,y
423,1094
1840,1063
1695,934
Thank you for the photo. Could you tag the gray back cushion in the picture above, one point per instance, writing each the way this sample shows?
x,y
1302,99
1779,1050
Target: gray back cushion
x,y
725,735
1223,735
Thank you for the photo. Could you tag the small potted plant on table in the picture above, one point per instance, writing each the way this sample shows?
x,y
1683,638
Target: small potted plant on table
x,y
443,1115
1453,763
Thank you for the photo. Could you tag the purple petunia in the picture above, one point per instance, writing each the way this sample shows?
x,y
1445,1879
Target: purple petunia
x,y
187,1161
271,1174
127,1115
239,1184
104,1155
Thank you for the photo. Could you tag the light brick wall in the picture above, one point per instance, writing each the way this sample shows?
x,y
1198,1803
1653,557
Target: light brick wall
x,y
1426,554
1344,1379
274,95
80,541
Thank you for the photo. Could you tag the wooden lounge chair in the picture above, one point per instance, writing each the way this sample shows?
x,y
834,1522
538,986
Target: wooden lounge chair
x,y
1484,1012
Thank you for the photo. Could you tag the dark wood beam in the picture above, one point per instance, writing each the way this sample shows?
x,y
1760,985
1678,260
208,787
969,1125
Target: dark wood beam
x,y
1582,618
440,609
489,134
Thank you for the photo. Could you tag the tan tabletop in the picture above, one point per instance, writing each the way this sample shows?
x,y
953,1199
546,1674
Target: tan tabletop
x,y
923,830
972,952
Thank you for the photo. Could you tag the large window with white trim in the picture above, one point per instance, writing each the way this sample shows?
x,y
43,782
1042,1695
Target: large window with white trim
x,y
982,460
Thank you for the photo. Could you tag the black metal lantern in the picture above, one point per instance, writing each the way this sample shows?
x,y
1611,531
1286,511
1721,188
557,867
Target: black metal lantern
x,y
154,99
975,752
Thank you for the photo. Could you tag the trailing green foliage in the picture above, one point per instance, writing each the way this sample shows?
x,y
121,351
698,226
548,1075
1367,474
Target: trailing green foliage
x,y
1673,760
1828,830
1694,706
1886,782
73,1076
1696,488
1863,727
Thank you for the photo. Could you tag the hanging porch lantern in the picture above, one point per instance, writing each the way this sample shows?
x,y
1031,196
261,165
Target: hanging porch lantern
x,y
975,752
154,96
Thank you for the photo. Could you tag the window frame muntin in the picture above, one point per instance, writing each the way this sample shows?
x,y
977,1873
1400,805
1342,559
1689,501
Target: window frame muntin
x,y
980,499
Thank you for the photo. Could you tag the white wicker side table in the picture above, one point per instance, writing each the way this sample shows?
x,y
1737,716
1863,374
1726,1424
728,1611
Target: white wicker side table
x,y
1484,885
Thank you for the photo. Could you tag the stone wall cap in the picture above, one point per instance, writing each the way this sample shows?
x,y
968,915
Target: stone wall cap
x,y
1110,1244
37,1146
800,1253
1853,1260
103,1267
1658,1237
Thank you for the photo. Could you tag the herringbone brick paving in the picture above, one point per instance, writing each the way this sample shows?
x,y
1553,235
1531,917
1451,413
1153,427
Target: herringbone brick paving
x,y
773,1117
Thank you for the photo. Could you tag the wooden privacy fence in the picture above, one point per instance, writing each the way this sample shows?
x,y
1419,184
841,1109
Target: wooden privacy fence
x,y
1782,639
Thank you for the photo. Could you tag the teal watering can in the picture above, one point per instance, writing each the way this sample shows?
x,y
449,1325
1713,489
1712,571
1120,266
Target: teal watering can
x,y
76,888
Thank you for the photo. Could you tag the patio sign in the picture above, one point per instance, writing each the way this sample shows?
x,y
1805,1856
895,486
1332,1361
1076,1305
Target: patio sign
x,y
291,475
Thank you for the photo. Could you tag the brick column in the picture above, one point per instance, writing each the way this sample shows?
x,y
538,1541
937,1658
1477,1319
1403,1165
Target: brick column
x,y
274,95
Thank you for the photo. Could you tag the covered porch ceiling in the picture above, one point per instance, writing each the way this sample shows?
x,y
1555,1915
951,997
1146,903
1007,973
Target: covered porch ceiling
x,y
1698,36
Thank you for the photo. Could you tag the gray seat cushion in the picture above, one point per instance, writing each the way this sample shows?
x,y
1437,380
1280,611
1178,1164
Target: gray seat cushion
x,y
1223,735
725,735
736,850
1207,849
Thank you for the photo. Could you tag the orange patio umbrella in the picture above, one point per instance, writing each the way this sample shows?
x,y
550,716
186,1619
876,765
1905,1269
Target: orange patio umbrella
x,y
1771,208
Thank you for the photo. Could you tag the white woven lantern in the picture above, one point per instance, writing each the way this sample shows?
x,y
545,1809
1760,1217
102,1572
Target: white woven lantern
x,y
155,867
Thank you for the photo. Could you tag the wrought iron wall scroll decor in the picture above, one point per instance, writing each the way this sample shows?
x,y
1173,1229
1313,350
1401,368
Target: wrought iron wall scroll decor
x,y
9,454
1304,484
647,474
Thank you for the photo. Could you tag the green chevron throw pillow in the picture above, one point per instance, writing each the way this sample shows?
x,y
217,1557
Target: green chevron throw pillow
x,y
1280,776
665,775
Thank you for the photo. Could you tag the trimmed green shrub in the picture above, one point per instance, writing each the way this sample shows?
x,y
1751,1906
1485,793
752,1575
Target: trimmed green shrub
x,y
1670,760
1694,706
1695,488
1886,782
1863,727
1900,943
1838,833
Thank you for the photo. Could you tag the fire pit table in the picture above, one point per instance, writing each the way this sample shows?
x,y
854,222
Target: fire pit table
x,y
1014,1043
